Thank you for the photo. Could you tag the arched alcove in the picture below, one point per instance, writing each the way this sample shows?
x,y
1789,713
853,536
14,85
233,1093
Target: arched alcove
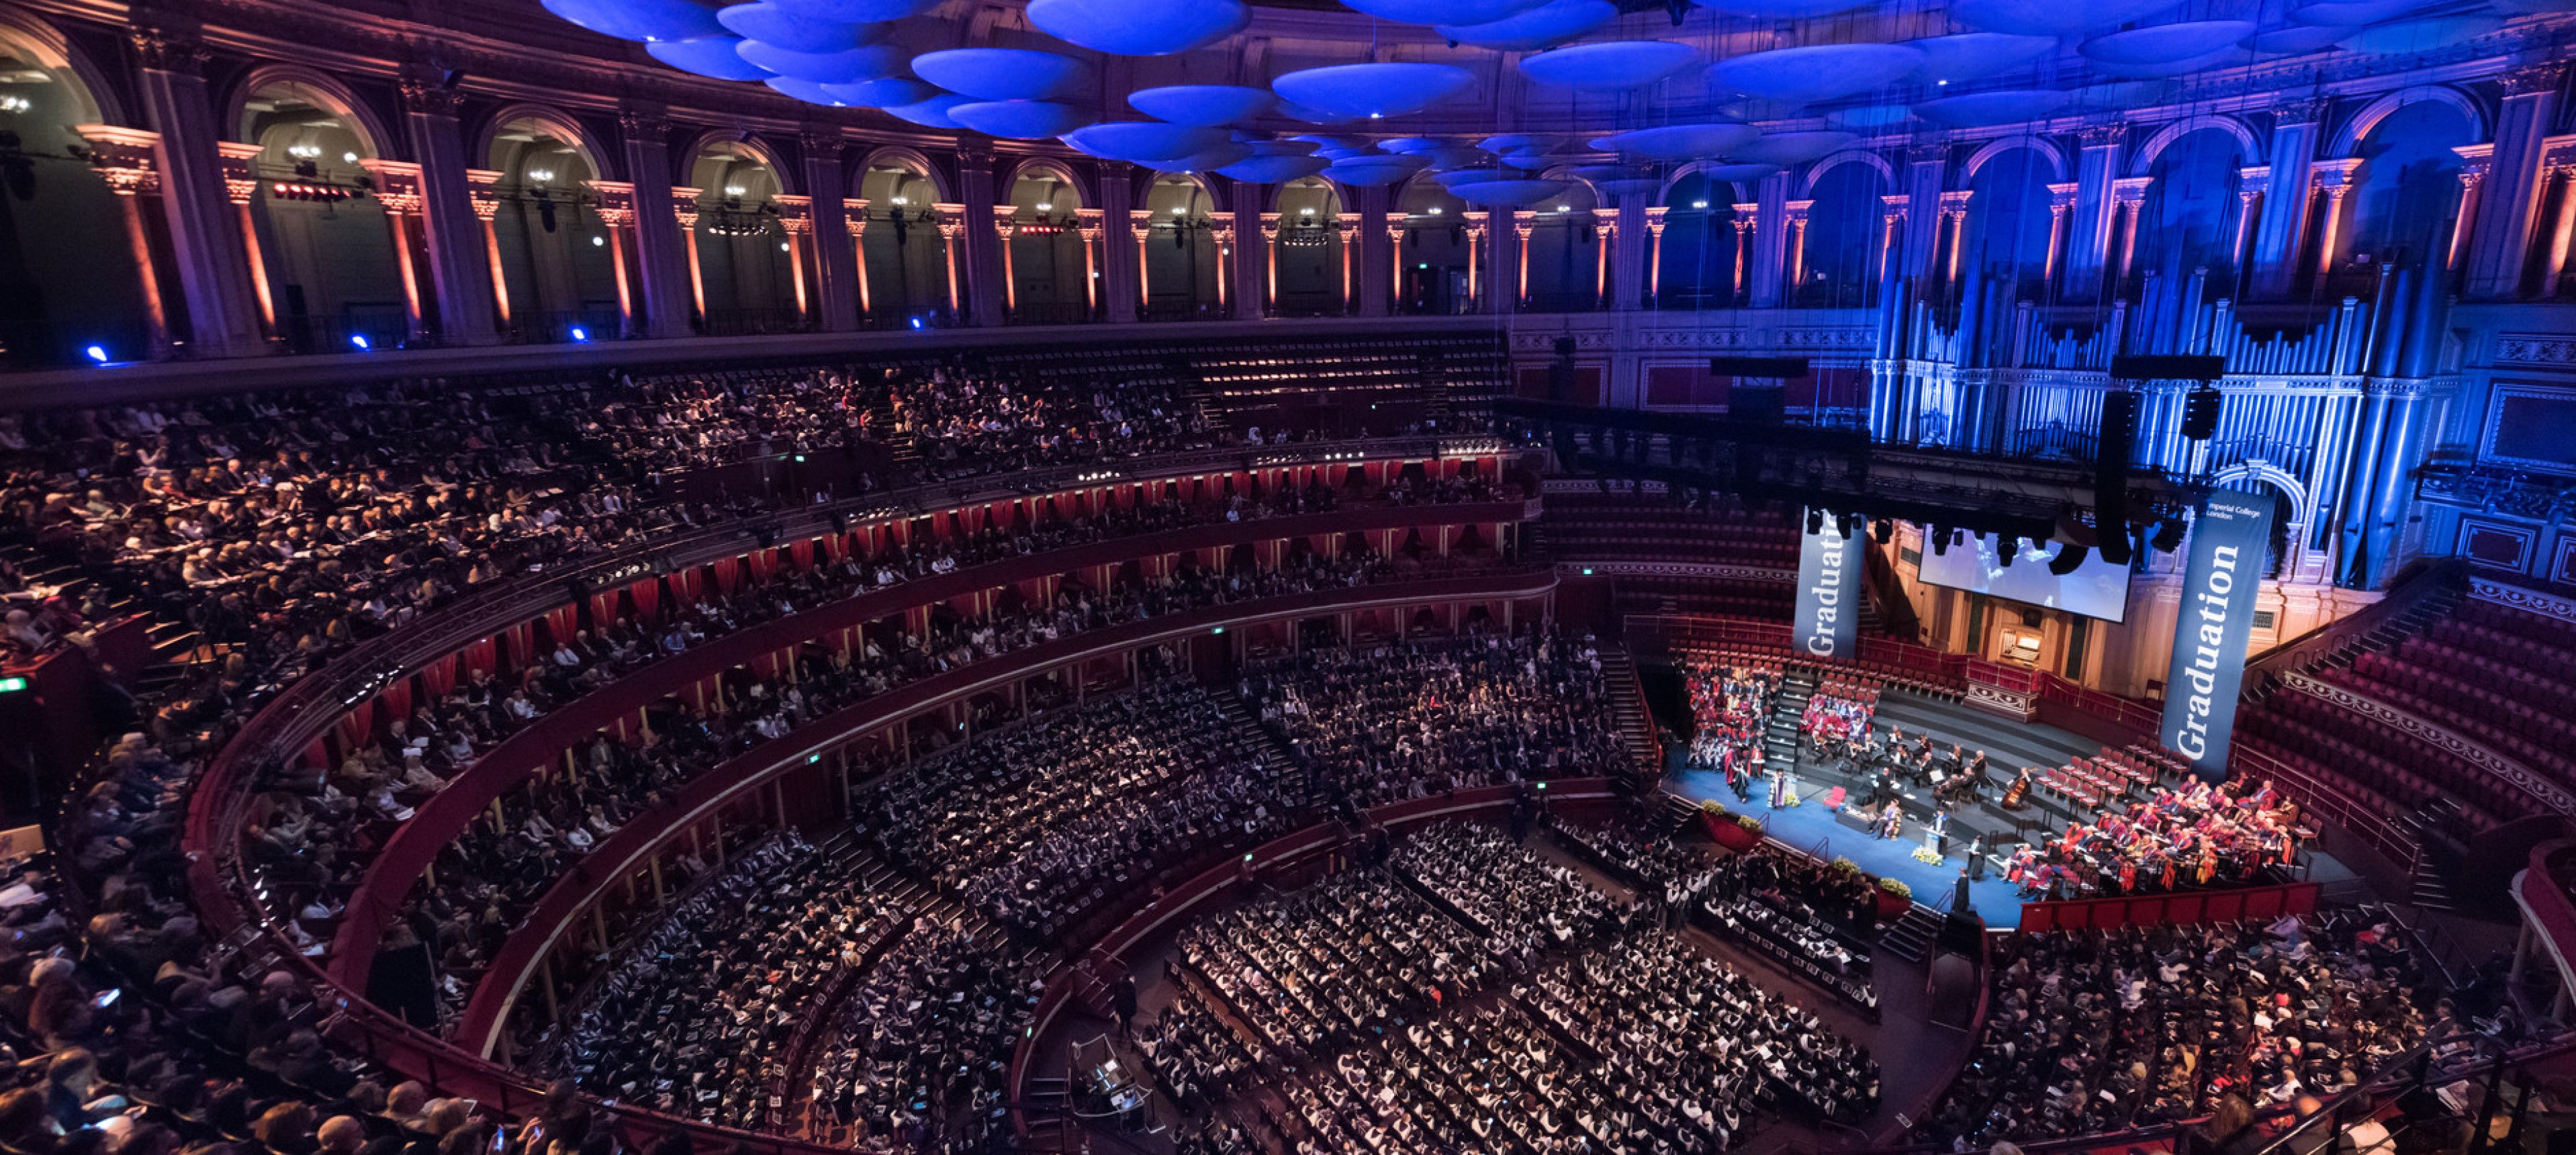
x,y
69,278
1435,261
1178,248
1054,270
2006,236
557,272
343,269
2405,194
743,263
1697,262
907,268
1836,265
1568,270
2191,215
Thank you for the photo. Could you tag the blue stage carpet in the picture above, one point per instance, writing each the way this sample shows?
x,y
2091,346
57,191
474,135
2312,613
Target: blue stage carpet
x,y
1805,825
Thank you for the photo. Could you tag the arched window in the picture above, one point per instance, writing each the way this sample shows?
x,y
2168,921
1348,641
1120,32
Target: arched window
x,y
1307,276
558,273
743,265
1435,260
2189,218
2405,194
1846,220
2008,224
68,279
344,269
906,265
1702,247
1567,269
1054,272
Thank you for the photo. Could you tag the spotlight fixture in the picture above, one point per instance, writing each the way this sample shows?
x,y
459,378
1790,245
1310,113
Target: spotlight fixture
x,y
305,151
348,158
15,104
541,175
580,334
360,341
97,353
1886,530
2007,547
1433,210
1940,541
2070,558
598,242
903,200
734,190
1045,207
2169,534
1843,525
1815,521
1699,204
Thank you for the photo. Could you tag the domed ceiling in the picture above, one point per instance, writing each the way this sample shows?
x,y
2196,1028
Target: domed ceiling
x,y
1516,93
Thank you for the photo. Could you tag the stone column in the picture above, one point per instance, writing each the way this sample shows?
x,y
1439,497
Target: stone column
x,y
983,258
836,251
2281,234
1524,222
1654,256
796,223
1140,230
1394,269
1088,225
1346,238
2555,257
952,228
615,204
398,191
854,214
450,233
485,199
1223,233
2129,199
1794,272
2475,159
2088,245
684,217
2251,181
206,248
2510,200
661,249
1480,272
2333,179
1952,239
1004,228
124,159
2061,208
240,185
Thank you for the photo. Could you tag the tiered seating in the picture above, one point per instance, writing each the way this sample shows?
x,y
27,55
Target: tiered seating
x,y
926,1031
2391,768
1040,823
1525,906
694,1019
2097,1030
1315,971
1586,526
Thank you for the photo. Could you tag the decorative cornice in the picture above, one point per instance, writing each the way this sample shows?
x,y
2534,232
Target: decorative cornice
x,y
2549,606
2534,80
2112,135
162,48
2476,754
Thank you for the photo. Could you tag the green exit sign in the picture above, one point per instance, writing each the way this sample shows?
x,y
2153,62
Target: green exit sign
x,y
12,685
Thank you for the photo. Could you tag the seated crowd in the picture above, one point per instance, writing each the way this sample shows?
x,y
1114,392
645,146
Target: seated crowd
x,y
2098,1030
1525,906
1470,711
693,1019
923,1039
1839,711
1046,819
1731,706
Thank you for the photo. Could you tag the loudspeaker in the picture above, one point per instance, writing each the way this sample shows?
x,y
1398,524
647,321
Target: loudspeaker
x,y
2167,367
2200,410
2114,444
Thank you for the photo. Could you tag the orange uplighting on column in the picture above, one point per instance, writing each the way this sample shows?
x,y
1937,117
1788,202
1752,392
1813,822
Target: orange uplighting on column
x,y
258,265
617,265
500,284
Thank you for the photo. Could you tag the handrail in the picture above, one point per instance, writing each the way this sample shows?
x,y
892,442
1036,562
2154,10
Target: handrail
x,y
415,843
450,1070
711,792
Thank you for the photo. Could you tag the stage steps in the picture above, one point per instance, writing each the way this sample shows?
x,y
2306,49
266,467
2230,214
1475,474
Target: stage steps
x,y
1780,731
1911,937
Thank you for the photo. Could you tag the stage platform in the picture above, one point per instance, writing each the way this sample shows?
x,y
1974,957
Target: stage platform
x,y
2009,746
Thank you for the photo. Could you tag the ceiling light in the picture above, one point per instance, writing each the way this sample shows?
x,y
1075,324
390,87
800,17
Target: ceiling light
x,y
1435,210
1565,208
304,151
733,190
1044,207
1307,211
1178,210
596,242
782,247
15,104
348,158
903,200
541,175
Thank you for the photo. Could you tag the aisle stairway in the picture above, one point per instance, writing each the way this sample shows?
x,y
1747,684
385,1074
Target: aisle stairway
x,y
1628,709
1911,937
1262,740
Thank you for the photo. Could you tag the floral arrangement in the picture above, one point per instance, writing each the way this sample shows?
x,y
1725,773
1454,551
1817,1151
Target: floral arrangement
x,y
1749,822
1845,866
1927,856
1896,888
